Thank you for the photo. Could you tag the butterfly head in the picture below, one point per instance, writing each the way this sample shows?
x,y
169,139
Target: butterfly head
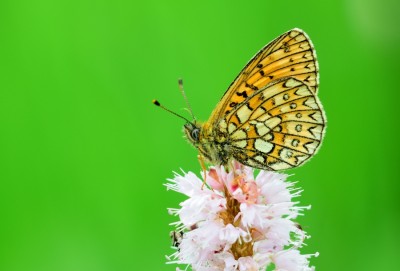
x,y
192,132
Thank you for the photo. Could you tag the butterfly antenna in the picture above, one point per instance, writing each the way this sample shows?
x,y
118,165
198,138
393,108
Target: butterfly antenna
x,y
157,103
180,83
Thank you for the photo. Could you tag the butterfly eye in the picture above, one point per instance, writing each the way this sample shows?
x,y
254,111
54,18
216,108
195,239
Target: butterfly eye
x,y
195,134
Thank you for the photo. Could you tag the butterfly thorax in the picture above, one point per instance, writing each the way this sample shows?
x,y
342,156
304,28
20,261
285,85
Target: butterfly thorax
x,y
211,144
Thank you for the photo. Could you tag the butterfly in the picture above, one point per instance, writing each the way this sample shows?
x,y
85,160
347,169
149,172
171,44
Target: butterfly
x,y
270,117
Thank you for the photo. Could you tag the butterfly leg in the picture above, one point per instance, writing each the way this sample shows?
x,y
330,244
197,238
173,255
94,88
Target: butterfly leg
x,y
203,167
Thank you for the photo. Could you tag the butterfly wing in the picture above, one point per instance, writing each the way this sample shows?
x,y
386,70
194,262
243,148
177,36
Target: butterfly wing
x,y
290,55
278,127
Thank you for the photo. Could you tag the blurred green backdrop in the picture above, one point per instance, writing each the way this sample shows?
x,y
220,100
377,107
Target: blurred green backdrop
x,y
84,153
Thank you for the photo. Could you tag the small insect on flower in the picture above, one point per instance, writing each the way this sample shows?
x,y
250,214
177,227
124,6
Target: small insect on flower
x,y
270,117
237,221
176,237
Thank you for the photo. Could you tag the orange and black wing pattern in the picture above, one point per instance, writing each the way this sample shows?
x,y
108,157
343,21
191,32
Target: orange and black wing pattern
x,y
271,115
278,127
290,55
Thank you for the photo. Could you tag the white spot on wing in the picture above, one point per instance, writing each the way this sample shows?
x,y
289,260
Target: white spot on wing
x,y
301,159
239,134
243,113
280,166
223,124
240,144
272,122
231,127
311,146
262,129
267,137
316,132
263,145
310,102
303,91
317,116
292,83
259,158
251,163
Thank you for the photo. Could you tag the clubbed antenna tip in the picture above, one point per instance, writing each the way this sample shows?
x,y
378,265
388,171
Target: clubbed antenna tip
x,y
156,102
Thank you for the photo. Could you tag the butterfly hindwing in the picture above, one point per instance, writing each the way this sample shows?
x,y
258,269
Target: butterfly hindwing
x,y
278,127
290,55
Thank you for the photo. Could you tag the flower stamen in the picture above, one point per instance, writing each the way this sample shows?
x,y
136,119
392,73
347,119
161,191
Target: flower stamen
x,y
242,249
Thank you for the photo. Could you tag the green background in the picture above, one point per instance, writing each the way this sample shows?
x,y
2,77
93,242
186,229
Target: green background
x,y
84,154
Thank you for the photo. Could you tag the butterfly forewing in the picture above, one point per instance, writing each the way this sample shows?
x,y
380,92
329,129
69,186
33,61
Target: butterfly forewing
x,y
290,55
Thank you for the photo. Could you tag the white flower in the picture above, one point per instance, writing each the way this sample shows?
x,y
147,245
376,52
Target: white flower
x,y
292,260
235,221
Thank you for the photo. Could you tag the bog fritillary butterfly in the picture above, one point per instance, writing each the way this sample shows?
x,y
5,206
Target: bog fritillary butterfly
x,y
270,117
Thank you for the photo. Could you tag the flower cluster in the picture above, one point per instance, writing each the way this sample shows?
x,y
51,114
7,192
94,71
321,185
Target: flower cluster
x,y
236,221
